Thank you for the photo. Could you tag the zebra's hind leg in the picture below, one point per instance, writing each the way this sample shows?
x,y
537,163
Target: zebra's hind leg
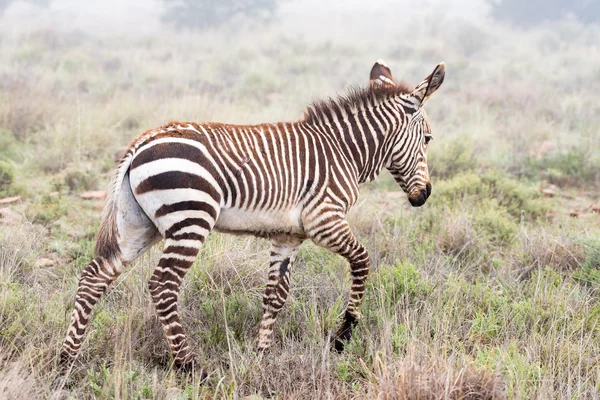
x,y
133,234
93,283
283,253
337,237
182,244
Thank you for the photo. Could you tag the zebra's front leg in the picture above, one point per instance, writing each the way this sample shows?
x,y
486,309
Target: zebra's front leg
x,y
283,253
337,237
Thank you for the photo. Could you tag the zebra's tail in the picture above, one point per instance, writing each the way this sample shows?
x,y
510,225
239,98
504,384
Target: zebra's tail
x,y
107,238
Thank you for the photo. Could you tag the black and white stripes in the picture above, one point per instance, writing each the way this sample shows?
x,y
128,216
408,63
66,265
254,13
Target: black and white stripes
x,y
286,182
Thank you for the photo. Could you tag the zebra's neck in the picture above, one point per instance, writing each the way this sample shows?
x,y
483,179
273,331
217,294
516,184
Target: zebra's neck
x,y
363,126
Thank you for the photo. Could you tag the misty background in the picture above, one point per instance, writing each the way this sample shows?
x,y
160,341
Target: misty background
x,y
265,60
491,287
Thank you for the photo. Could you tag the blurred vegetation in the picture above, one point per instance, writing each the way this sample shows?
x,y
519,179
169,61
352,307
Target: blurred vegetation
x,y
517,198
491,288
5,3
7,176
533,12
208,14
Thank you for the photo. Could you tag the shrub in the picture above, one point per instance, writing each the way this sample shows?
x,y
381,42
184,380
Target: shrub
x,y
570,168
496,225
458,238
7,177
514,364
401,281
540,248
589,273
80,180
10,148
24,108
453,158
513,196
47,210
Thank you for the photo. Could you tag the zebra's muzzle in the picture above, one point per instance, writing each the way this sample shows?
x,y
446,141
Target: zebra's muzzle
x,y
418,198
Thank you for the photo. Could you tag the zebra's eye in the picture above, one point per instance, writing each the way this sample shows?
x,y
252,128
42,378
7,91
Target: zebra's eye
x,y
428,138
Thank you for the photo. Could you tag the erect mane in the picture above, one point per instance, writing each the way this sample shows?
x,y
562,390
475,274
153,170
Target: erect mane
x,y
355,99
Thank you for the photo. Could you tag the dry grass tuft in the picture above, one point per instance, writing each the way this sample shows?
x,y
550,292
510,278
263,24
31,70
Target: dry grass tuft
x,y
17,381
540,248
29,108
457,236
425,376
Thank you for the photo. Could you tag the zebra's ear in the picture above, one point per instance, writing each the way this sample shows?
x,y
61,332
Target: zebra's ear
x,y
430,84
381,76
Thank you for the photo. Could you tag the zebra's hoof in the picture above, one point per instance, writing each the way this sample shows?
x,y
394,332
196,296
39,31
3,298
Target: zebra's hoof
x,y
192,368
344,334
338,345
65,362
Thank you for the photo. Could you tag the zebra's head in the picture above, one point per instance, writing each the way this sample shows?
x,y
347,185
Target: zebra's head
x,y
407,160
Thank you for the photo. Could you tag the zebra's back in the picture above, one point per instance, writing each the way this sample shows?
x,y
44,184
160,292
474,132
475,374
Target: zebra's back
x,y
257,180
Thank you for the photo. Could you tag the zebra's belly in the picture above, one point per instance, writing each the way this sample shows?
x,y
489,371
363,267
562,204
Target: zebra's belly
x,y
260,223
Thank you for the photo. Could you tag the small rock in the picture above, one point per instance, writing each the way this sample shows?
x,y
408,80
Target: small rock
x,y
10,217
10,200
595,208
53,194
44,262
93,195
548,193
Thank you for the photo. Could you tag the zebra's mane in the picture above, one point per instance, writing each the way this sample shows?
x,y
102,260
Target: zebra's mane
x,y
356,99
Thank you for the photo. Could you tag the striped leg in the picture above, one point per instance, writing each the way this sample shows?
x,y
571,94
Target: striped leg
x,y
337,237
181,249
283,254
93,283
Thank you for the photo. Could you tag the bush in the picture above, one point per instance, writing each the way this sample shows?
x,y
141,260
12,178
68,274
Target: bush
x,y
589,273
457,156
496,225
49,209
80,180
10,149
399,282
7,177
540,248
574,167
511,195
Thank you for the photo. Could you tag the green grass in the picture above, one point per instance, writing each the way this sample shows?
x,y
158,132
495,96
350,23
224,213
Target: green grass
x,y
489,290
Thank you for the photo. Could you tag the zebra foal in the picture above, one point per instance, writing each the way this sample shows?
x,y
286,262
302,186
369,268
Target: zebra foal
x,y
286,182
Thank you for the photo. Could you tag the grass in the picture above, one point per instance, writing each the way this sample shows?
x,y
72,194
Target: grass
x,y
490,290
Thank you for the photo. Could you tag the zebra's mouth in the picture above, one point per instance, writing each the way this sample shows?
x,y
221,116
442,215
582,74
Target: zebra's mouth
x,y
418,198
